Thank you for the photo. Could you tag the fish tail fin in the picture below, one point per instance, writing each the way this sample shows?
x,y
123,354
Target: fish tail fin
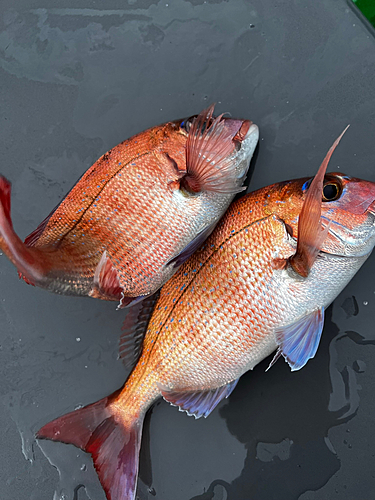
x,y
30,262
209,152
113,442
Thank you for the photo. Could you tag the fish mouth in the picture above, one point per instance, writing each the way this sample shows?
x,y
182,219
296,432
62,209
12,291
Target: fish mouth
x,y
243,130
249,133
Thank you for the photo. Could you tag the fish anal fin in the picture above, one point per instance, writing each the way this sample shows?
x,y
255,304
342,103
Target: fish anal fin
x,y
113,445
134,329
299,341
198,403
209,149
106,280
193,246
311,235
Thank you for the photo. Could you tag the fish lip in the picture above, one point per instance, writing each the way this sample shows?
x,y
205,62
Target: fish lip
x,y
242,132
322,252
252,135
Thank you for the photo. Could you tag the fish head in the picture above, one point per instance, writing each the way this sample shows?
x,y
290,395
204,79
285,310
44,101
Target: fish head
x,y
347,211
244,135
226,141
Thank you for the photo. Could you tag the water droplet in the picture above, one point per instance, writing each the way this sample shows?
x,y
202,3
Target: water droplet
x,y
84,468
78,407
359,366
365,303
252,26
78,339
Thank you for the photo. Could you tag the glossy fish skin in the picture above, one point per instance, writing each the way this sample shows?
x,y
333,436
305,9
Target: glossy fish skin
x,y
215,319
223,312
114,234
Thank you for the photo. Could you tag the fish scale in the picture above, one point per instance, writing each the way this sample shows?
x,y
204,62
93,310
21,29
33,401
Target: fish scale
x,y
116,234
187,351
260,283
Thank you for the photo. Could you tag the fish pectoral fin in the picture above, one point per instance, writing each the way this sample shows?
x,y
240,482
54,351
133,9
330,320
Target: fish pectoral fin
x,y
208,156
192,247
311,235
198,403
299,341
134,329
106,284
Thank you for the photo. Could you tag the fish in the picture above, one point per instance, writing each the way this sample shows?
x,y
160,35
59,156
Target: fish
x,y
138,213
258,285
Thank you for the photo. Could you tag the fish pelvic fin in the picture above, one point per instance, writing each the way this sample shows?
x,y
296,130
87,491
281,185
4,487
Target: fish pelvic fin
x,y
114,445
311,235
209,149
31,263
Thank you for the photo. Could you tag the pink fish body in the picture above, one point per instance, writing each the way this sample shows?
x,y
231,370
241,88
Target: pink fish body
x,y
260,283
138,212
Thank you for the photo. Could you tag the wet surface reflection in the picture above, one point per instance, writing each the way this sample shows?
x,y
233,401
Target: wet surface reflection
x,y
76,81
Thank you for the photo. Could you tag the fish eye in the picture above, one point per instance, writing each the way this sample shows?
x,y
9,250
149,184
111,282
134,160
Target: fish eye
x,y
187,123
331,191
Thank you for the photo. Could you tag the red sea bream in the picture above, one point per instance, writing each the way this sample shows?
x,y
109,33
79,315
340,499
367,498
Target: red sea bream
x,y
259,284
139,212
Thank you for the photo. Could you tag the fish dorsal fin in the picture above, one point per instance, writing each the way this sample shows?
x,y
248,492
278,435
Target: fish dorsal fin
x,y
193,246
134,329
208,155
106,280
310,233
198,403
299,341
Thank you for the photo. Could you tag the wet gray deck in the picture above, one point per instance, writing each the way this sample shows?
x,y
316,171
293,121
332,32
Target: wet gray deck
x,y
74,83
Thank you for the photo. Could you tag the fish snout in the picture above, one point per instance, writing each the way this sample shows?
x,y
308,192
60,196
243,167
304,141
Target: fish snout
x,y
247,133
240,129
371,208
368,195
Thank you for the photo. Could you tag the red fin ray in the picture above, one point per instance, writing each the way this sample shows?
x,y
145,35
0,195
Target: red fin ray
x,y
208,155
310,233
198,403
299,341
113,445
